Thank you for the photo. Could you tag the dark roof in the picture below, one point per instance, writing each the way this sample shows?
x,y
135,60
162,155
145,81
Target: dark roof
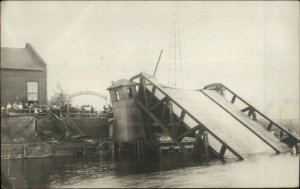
x,y
21,58
121,82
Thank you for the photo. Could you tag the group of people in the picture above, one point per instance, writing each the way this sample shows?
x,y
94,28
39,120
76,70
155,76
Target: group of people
x,y
85,107
61,111
83,110
19,107
88,108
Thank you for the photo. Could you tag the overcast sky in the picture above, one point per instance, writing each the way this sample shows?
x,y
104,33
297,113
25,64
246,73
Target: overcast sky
x,y
252,47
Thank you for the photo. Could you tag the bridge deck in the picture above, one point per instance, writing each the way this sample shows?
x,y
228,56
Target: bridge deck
x,y
251,124
226,124
218,121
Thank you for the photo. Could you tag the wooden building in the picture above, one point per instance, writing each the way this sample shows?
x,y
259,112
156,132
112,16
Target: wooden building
x,y
23,76
128,121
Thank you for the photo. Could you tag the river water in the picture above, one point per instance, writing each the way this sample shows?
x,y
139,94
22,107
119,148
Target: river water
x,y
259,171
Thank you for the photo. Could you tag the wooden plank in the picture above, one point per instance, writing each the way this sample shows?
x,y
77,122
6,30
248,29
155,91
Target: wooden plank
x,y
158,103
152,95
254,115
145,91
270,126
164,127
135,77
179,123
183,123
222,151
246,109
164,111
188,132
171,118
250,112
181,117
233,99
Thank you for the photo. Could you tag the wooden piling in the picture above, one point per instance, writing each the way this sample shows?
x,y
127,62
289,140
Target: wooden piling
x,y
119,150
113,151
84,150
138,148
24,151
205,139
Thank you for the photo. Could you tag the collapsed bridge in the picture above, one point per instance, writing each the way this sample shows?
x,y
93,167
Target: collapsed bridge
x,y
207,115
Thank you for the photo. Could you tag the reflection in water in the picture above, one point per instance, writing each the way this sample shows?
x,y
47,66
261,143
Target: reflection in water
x,y
266,171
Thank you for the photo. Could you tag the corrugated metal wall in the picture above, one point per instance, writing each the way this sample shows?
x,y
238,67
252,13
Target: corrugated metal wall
x,y
14,84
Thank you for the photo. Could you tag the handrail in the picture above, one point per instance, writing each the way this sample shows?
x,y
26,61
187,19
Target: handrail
x,y
44,112
240,121
220,85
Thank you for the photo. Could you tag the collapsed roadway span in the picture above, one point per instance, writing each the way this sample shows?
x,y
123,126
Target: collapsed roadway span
x,y
206,114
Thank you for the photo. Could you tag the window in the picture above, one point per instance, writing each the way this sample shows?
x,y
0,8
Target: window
x,y
129,91
32,91
117,96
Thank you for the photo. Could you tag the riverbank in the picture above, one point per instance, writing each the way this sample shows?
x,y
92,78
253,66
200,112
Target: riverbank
x,y
30,136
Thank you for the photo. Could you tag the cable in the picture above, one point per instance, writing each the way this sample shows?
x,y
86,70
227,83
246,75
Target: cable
x,y
179,48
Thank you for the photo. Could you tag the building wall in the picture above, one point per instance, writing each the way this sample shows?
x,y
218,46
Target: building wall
x,y
14,84
128,124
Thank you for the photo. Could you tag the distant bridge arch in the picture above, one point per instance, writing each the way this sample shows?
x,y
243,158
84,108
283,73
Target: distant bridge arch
x,y
93,93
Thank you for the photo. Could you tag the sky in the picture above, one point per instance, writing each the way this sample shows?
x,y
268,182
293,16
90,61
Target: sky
x,y
251,47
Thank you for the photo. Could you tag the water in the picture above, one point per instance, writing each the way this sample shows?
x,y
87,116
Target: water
x,y
260,171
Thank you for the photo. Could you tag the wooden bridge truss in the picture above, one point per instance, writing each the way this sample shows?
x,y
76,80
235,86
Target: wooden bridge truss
x,y
158,105
150,103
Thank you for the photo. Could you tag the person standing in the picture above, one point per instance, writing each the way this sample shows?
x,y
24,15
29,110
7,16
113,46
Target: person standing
x,y
92,109
8,106
15,106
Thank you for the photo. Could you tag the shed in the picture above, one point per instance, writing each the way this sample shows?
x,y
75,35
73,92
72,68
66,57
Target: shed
x,y
23,76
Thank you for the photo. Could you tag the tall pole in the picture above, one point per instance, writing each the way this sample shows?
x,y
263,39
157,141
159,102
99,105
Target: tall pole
x,y
280,114
157,62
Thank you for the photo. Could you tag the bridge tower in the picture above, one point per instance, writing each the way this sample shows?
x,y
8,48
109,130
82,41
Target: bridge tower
x,y
128,121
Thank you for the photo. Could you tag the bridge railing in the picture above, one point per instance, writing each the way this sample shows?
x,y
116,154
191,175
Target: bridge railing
x,y
87,114
23,111
60,113
250,110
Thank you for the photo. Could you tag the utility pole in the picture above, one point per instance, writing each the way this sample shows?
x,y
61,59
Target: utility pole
x,y
280,114
157,62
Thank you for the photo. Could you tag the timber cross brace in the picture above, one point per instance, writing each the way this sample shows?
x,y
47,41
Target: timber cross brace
x,y
160,110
